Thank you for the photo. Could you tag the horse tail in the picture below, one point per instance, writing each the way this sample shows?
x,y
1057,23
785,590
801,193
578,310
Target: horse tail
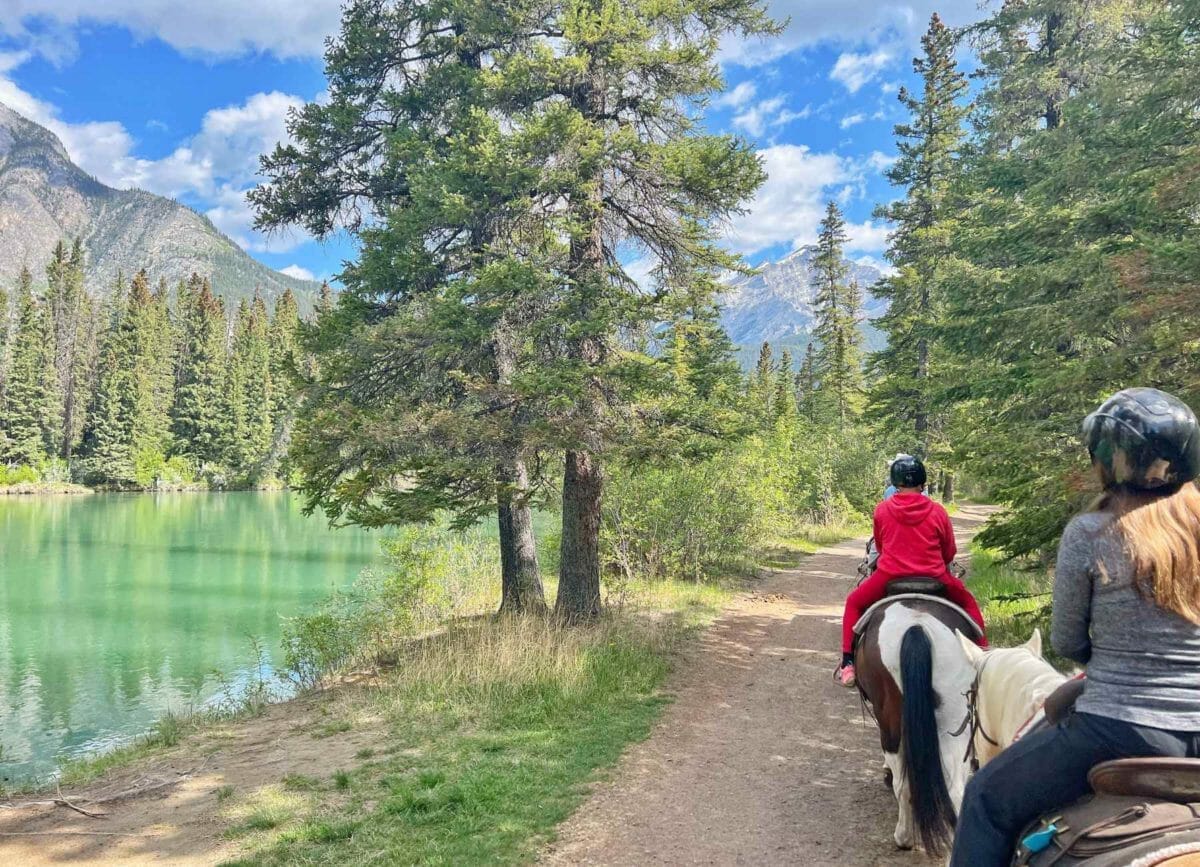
x,y
933,811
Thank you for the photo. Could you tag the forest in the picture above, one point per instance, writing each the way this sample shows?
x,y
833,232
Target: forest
x,y
490,348
147,387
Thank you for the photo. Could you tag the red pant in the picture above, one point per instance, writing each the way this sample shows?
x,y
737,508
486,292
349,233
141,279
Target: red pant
x,y
875,588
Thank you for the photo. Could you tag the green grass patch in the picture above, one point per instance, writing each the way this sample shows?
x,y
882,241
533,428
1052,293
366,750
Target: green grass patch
x,y
504,723
1014,598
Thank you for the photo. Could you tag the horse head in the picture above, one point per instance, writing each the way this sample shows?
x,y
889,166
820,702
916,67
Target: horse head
x,y
1011,685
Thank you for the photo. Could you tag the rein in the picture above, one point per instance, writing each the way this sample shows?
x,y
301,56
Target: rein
x,y
972,721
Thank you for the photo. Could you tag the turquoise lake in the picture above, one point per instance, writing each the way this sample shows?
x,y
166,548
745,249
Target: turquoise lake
x,y
115,609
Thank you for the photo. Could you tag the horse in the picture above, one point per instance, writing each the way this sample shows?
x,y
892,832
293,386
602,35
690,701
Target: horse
x,y
1011,688
914,675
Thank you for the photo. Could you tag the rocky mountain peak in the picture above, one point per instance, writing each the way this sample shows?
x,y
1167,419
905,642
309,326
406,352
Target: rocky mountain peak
x,y
45,198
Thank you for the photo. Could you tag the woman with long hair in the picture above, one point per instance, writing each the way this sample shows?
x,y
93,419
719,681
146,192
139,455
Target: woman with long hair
x,y
1126,605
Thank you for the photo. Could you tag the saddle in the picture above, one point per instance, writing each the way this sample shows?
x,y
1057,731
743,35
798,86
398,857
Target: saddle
x,y
927,589
1142,811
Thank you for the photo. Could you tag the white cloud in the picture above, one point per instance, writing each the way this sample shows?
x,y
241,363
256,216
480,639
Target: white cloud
x,y
854,71
884,268
880,162
755,119
297,271
867,237
768,114
889,87
852,120
788,207
285,28
232,214
739,96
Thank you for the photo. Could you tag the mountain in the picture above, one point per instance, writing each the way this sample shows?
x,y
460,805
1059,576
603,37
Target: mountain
x,y
776,305
45,198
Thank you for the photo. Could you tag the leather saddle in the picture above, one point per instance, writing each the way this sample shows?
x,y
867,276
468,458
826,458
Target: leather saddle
x,y
918,586
1166,779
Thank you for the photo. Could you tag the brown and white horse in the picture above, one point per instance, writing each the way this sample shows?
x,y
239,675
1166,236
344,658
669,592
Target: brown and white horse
x,y
916,677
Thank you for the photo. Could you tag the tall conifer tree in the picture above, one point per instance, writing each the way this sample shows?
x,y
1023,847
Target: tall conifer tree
x,y
924,221
838,306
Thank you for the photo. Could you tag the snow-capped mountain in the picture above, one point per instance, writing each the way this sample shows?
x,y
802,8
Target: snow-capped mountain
x,y
776,304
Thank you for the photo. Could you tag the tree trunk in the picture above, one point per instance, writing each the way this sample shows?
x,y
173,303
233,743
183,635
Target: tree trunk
x,y
947,487
520,575
579,564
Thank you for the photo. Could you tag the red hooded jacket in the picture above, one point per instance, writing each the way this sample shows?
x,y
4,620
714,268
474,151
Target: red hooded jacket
x,y
914,537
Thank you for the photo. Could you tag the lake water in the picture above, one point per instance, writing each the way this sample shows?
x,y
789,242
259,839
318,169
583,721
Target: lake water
x,y
115,609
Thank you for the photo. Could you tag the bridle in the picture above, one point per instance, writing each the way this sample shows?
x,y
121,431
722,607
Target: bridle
x,y
972,721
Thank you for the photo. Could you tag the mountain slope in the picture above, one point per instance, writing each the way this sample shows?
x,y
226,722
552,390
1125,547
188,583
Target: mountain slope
x,y
776,305
45,198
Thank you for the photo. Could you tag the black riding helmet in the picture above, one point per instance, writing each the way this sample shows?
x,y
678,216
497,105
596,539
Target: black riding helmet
x,y
907,472
1144,439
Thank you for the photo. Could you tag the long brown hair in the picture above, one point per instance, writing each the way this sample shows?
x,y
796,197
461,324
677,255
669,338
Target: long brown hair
x,y
1161,532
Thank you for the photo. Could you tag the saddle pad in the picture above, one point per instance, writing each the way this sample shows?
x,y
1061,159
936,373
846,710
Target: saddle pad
x,y
861,625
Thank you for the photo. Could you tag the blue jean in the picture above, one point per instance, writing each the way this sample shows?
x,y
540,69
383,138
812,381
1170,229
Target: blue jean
x,y
1045,770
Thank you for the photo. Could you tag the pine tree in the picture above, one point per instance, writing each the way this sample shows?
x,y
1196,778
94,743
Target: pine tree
x,y
29,413
807,385
783,404
199,421
762,383
925,222
475,255
838,306
130,435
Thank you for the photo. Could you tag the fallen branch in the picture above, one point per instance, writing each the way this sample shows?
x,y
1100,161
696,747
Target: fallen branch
x,y
63,802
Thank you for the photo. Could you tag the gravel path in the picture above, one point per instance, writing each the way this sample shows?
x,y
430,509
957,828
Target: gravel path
x,y
761,759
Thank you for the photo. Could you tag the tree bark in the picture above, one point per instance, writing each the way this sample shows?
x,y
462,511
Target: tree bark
x,y
579,564
947,487
520,575
583,480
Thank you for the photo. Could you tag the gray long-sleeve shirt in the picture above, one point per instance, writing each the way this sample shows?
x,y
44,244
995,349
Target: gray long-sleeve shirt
x,y
1143,662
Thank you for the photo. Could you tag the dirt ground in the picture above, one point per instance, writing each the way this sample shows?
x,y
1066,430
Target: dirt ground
x,y
170,810
762,759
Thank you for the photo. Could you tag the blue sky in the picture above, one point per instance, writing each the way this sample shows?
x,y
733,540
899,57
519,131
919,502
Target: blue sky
x,y
181,98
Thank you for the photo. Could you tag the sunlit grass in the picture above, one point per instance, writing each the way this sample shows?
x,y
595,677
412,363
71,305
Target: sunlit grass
x,y
1014,600
500,721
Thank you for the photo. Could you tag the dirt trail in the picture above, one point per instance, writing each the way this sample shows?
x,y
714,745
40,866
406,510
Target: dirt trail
x,y
761,759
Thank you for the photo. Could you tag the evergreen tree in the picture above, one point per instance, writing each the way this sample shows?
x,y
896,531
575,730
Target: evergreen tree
x,y
783,404
483,248
762,383
1052,306
642,171
925,221
29,413
199,421
807,385
839,311
130,434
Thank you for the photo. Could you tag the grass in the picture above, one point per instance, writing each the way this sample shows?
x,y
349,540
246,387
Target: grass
x,y
1014,600
503,723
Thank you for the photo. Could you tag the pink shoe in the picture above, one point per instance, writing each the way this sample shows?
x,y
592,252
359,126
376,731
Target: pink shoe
x,y
845,675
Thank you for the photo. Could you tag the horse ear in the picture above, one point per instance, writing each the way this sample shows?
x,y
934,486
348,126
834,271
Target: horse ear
x,y
1035,642
970,648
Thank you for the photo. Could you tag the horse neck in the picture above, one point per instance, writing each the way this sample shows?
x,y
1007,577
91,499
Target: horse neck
x,y
1012,689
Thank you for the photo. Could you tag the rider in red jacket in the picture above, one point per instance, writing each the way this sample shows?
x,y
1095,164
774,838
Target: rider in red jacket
x,y
914,538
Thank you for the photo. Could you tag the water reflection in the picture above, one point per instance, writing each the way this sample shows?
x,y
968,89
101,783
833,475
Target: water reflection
x,y
117,608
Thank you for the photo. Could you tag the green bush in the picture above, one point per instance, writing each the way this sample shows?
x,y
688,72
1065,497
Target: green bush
x,y
429,575
19,475
694,520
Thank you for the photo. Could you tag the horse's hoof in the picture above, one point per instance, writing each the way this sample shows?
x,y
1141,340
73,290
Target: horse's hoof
x,y
904,847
